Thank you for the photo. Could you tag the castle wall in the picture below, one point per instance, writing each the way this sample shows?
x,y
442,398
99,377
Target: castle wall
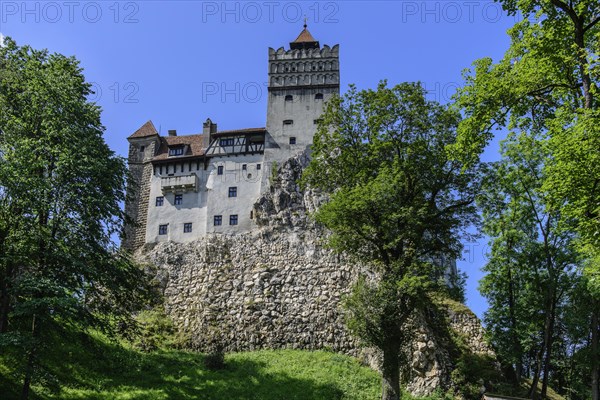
x,y
247,183
210,198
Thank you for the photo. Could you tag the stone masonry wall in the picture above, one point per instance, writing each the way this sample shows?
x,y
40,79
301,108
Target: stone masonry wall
x,y
136,207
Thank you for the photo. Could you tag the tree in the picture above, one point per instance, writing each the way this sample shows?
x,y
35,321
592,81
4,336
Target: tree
x,y
396,202
60,193
532,265
547,83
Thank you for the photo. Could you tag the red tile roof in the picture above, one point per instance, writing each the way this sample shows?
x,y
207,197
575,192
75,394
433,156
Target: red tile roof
x,y
304,37
145,130
239,131
195,146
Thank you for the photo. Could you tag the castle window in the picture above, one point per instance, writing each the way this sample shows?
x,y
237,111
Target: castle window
x,y
178,199
142,148
288,122
220,170
218,220
233,191
226,142
175,151
160,200
289,97
244,167
292,140
163,229
258,167
187,227
233,219
319,96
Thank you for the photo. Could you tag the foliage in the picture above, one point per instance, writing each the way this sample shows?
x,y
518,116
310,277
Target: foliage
x,y
61,188
396,203
156,330
545,87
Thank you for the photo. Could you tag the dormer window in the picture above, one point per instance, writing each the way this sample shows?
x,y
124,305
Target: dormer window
x,y
226,142
176,151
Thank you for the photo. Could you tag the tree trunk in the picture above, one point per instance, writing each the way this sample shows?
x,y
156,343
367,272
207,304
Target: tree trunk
x,y
549,340
4,300
391,373
391,376
31,360
518,352
533,395
595,374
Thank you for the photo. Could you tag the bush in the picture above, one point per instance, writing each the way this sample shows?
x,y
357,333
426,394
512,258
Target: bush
x,y
157,330
215,359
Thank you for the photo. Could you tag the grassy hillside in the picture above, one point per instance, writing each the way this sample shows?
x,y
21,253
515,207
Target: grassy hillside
x,y
91,367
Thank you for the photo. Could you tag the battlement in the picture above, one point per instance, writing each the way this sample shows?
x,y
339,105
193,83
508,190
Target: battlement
x,y
298,54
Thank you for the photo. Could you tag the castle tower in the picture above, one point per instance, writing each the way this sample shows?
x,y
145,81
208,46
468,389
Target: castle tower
x,y
143,145
301,80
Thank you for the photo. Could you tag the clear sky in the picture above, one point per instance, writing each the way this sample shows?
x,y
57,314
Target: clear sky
x,y
180,62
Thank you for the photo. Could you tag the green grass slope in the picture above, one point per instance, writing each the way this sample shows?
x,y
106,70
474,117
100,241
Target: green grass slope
x,y
91,367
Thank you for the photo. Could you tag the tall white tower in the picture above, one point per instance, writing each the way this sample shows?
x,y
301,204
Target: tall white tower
x,y
301,80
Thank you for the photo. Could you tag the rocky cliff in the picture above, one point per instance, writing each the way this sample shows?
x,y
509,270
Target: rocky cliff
x,y
279,287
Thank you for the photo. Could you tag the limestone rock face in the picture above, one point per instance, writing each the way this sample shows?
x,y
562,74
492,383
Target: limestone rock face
x,y
279,287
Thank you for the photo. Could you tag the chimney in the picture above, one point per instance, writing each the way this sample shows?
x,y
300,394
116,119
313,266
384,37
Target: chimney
x,y
172,132
208,127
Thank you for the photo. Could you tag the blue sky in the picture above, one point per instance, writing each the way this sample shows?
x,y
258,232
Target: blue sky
x,y
180,62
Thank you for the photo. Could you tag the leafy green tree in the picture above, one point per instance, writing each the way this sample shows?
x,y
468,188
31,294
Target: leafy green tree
x,y
60,193
532,265
547,83
396,203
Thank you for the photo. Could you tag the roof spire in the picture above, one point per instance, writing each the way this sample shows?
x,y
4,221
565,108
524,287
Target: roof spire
x,y
305,40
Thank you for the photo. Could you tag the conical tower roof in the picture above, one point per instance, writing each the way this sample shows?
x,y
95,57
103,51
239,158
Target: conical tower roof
x,y
304,40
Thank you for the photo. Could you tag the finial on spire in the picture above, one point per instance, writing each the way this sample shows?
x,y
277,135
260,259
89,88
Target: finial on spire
x,y
305,21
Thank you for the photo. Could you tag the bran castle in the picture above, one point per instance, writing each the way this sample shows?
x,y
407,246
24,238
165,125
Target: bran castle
x,y
221,223
192,185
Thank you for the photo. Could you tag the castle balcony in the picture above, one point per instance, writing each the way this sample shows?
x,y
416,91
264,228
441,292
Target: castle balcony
x,y
179,184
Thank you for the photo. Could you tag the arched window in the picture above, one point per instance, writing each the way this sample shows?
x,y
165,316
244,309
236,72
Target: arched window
x,y
319,96
289,97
